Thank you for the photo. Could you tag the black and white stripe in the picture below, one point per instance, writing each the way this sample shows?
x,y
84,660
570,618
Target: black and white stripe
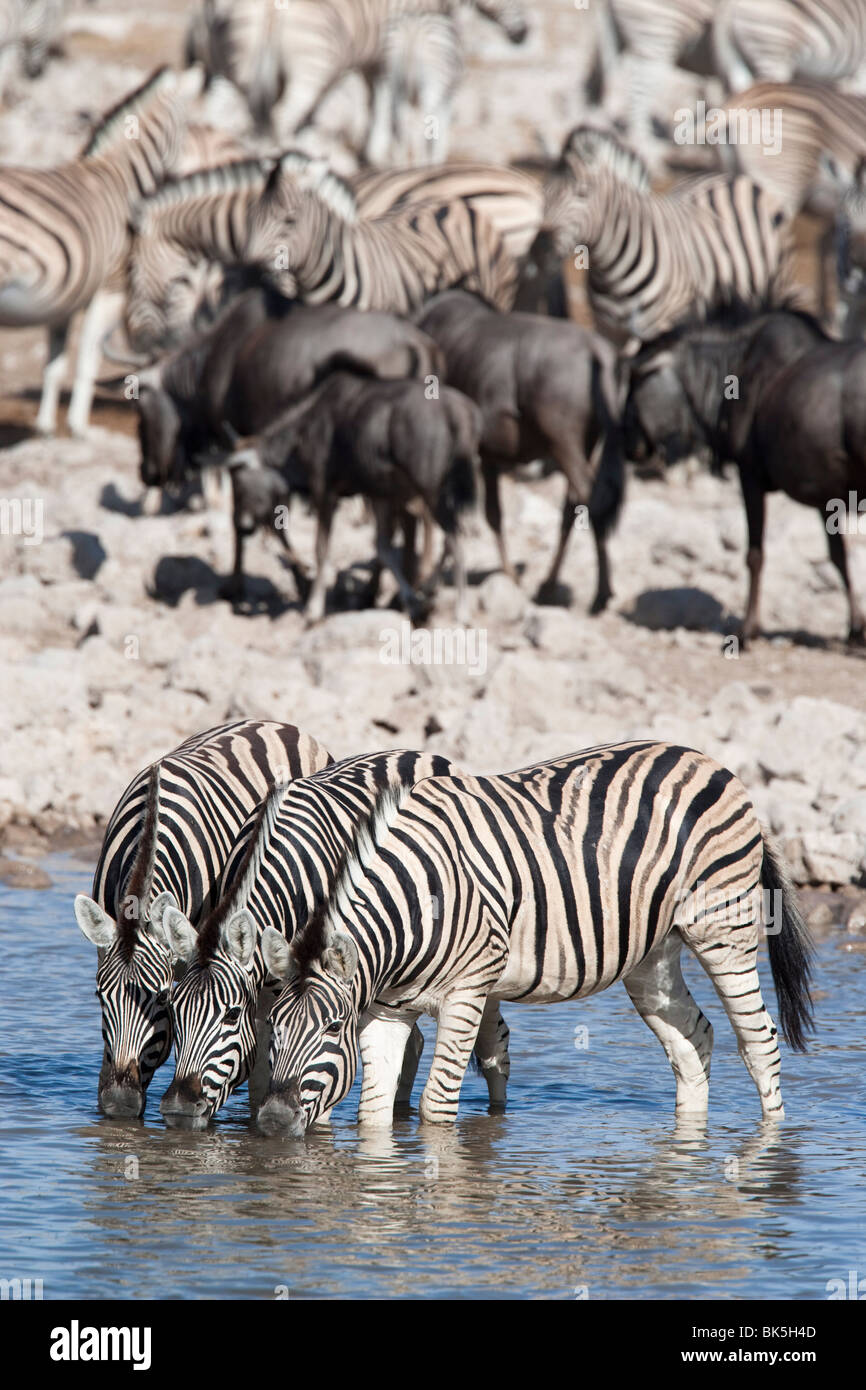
x,y
781,40
309,235
654,259
539,886
286,59
167,843
64,232
281,869
28,28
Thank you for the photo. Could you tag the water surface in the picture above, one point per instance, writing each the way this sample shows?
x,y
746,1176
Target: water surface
x,y
584,1188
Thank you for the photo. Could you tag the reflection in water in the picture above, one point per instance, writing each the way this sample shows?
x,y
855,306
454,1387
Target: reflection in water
x,y
586,1187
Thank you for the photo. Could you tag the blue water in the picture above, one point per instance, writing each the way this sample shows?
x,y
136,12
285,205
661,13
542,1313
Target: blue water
x,y
584,1188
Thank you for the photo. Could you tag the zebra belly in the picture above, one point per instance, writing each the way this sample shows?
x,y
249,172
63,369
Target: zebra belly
x,y
21,306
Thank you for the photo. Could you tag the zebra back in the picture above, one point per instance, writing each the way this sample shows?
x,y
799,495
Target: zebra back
x,y
199,797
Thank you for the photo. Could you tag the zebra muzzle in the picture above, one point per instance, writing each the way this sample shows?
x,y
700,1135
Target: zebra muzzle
x,y
282,1112
183,1106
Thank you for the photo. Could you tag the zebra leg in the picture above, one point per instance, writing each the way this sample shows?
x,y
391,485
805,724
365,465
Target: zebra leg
x,y
411,1060
103,310
55,369
661,996
380,132
459,1020
729,958
491,1053
384,1042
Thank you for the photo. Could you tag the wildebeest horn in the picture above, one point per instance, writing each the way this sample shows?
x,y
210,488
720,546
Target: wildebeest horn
x,y
231,434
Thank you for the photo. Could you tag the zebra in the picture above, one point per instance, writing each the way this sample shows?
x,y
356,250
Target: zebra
x,y
781,40
204,218
281,869
849,245
422,67
654,259
308,237
165,845
28,30
290,57
538,886
64,233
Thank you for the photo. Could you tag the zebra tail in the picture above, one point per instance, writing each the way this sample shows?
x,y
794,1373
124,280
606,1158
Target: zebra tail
x,y
791,952
608,489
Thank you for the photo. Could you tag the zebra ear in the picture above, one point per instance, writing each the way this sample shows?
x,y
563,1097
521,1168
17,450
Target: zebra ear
x,y
182,938
239,937
156,916
94,921
341,956
278,957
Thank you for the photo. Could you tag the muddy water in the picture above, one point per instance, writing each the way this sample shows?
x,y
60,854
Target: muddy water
x,y
585,1188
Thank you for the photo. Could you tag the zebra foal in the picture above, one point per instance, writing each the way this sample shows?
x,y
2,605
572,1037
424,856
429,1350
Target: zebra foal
x,y
166,844
538,886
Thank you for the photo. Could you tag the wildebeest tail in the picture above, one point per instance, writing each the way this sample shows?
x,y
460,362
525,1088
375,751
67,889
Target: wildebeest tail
x,y
608,489
456,494
790,949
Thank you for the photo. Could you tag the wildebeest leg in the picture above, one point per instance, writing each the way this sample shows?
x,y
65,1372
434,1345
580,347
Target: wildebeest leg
x,y
856,626
753,497
300,574
388,556
409,527
315,609
493,512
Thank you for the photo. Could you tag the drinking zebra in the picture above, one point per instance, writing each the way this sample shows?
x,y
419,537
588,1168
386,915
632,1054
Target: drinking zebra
x,y
64,233
308,235
538,886
286,59
654,259
204,219
780,40
166,843
281,870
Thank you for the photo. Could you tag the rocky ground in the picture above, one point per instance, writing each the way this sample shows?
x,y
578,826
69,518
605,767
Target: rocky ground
x,y
115,643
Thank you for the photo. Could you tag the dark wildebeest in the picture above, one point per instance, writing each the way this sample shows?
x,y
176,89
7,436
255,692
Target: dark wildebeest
x,y
261,355
546,389
773,395
385,440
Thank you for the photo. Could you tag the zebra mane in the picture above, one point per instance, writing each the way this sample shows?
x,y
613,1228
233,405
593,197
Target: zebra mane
x,y
111,124
141,874
356,859
594,146
220,178
315,176
210,934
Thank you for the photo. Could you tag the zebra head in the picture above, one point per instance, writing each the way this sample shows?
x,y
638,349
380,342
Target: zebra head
x,y
133,984
507,15
314,1042
214,1016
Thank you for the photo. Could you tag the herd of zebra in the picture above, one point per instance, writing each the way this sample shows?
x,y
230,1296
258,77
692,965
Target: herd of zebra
x,y
273,913
294,333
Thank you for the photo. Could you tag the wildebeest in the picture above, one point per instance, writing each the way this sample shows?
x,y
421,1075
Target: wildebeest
x,y
385,440
777,397
546,389
260,356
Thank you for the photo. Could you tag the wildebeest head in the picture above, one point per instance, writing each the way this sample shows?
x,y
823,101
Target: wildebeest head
x,y
658,418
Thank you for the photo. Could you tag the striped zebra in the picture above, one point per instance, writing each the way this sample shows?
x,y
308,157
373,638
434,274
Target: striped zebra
x,y
422,66
28,29
308,235
166,844
64,233
654,259
286,59
849,245
205,219
538,886
800,141
281,869
782,40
